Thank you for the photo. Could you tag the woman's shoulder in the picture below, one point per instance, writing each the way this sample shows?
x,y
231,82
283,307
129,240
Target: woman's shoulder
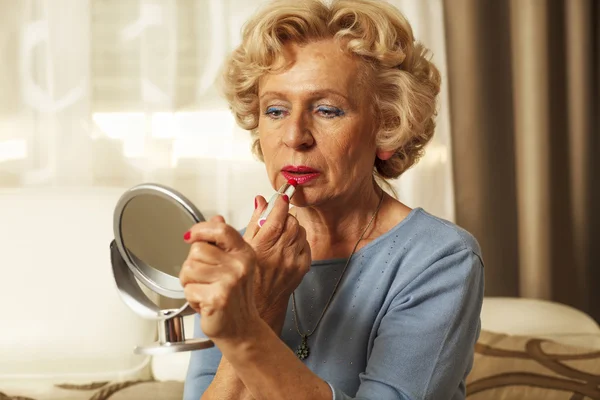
x,y
444,233
423,256
426,237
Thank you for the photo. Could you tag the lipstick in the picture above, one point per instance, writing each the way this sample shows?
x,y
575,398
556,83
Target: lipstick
x,y
289,188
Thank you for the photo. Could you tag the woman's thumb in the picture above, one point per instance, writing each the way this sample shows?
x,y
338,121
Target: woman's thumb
x,y
217,218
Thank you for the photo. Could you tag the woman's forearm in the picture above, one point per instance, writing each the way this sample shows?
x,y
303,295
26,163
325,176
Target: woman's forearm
x,y
226,385
269,369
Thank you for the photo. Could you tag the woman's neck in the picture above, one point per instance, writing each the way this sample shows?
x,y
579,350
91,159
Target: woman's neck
x,y
334,228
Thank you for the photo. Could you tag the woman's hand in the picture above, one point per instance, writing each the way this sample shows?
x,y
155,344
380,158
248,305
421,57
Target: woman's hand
x,y
283,258
217,277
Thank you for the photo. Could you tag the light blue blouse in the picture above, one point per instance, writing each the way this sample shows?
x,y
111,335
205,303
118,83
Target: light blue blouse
x,y
402,325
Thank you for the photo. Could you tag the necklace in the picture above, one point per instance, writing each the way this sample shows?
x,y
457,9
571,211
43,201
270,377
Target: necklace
x,y
303,351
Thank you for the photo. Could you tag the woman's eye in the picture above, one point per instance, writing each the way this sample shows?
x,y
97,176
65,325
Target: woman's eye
x,y
275,112
329,112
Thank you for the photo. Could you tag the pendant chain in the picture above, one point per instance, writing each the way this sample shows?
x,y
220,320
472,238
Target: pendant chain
x,y
303,351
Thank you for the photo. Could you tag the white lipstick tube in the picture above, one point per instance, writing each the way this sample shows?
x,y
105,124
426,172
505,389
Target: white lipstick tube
x,y
289,188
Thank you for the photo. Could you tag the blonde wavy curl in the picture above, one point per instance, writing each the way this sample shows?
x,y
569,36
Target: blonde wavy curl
x,y
404,81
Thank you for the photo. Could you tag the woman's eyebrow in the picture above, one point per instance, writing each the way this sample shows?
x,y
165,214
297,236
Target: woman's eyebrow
x,y
271,94
312,93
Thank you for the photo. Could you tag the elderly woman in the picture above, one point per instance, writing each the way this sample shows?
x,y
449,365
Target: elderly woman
x,y
350,293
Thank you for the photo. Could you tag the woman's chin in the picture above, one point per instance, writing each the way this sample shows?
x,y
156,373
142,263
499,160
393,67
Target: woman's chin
x,y
307,199
301,199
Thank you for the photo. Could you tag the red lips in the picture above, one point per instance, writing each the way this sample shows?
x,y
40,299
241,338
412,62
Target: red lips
x,y
301,174
299,169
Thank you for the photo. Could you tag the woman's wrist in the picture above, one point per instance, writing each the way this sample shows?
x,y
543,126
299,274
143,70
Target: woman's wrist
x,y
269,369
246,347
226,385
274,317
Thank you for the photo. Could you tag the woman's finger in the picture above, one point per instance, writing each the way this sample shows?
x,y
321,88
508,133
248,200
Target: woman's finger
x,y
210,297
206,252
301,238
198,272
200,294
291,231
222,235
260,204
276,221
305,257
217,218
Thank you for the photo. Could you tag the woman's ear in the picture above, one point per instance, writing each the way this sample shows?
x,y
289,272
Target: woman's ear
x,y
384,155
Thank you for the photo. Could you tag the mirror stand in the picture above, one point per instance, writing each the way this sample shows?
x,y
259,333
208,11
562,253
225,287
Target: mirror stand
x,y
171,330
171,339
171,333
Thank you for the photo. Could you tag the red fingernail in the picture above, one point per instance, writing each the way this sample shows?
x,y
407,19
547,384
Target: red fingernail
x,y
187,235
255,203
286,198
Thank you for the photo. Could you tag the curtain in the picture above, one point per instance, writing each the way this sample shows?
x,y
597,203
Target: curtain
x,y
114,93
524,79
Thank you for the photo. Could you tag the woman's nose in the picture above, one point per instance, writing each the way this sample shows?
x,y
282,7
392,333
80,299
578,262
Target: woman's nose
x,y
298,133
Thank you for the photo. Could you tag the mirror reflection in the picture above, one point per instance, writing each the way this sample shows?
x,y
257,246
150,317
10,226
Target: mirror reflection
x,y
152,229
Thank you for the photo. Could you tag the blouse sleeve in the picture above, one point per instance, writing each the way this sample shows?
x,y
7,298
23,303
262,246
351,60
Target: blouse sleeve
x,y
202,368
426,340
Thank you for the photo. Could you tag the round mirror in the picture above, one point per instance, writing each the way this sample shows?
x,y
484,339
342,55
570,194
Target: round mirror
x,y
148,251
152,230
149,223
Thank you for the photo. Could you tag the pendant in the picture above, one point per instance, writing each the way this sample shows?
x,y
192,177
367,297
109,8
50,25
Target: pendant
x,y
303,351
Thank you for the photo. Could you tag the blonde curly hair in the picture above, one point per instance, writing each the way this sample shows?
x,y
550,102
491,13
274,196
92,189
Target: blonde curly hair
x,y
404,83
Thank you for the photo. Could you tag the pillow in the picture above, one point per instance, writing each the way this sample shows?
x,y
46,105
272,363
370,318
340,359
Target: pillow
x,y
533,317
63,320
122,390
525,367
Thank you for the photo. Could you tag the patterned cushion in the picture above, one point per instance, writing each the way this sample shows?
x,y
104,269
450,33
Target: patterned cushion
x,y
525,367
505,368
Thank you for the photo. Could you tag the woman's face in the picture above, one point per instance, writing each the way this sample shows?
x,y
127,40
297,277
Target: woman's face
x,y
316,125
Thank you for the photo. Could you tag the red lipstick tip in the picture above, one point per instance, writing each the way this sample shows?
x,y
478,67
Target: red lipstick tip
x,y
293,182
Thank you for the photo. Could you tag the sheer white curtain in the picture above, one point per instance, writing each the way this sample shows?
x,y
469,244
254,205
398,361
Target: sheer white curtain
x,y
429,183
120,92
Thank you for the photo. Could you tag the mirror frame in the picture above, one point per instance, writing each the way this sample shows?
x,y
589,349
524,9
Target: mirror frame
x,y
156,280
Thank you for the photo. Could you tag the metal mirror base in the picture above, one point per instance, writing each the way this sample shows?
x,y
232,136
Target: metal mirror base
x,y
174,347
171,339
